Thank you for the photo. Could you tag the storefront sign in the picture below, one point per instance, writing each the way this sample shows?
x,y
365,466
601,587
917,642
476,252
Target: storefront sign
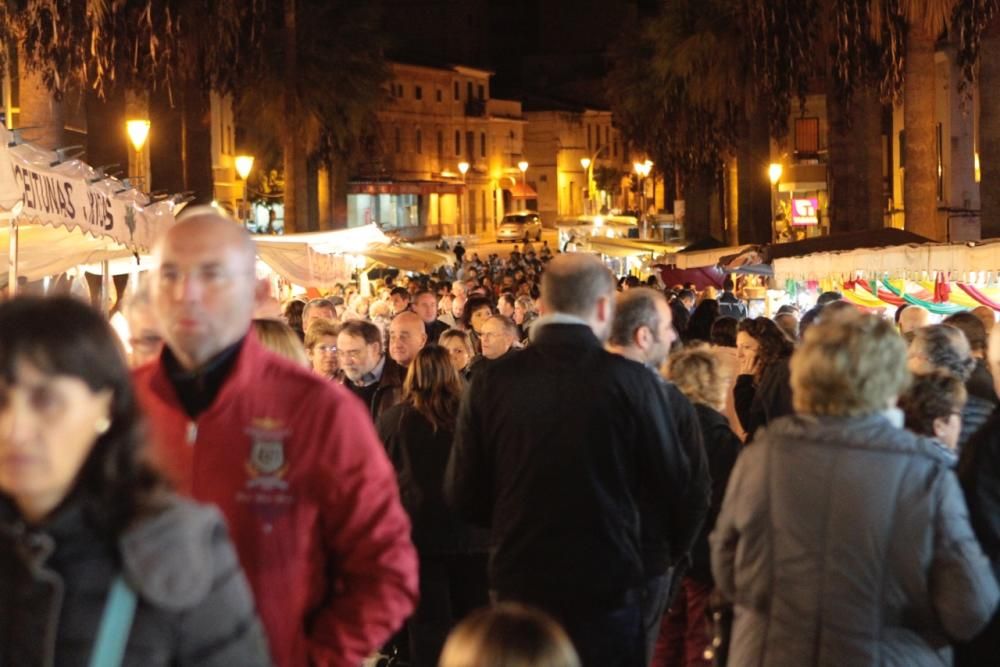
x,y
805,211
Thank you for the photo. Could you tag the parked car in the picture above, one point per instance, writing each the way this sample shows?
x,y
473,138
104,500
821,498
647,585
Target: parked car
x,y
520,226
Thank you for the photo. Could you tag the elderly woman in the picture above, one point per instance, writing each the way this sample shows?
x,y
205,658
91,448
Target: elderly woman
x,y
99,563
844,539
932,406
321,349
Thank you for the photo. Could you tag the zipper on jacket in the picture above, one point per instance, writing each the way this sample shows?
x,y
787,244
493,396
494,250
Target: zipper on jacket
x,y
192,432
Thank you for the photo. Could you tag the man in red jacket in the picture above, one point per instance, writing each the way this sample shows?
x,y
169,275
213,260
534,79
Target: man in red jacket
x,y
292,460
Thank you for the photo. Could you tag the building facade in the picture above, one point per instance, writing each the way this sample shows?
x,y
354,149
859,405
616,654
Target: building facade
x,y
446,160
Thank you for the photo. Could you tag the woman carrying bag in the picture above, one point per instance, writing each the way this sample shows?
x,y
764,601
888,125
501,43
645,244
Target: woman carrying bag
x,y
99,564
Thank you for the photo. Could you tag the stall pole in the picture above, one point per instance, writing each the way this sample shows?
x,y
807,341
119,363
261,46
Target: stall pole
x,y
12,258
105,287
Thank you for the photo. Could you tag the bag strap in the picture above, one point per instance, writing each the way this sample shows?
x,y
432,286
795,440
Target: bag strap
x,y
116,622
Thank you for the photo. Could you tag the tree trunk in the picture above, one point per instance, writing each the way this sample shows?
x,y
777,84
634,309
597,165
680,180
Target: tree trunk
x,y
753,153
919,152
39,109
698,191
731,176
989,128
857,197
196,134
296,188
338,193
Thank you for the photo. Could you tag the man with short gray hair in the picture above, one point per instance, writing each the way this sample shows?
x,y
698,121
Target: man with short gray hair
x,y
558,450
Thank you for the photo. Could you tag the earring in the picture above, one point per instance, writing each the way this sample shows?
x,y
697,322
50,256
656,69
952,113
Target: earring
x,y
102,426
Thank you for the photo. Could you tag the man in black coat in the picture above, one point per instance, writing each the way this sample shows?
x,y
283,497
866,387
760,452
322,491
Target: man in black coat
x,y
559,450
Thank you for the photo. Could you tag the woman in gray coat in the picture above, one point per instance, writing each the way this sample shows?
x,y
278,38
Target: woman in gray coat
x,y
843,539
99,564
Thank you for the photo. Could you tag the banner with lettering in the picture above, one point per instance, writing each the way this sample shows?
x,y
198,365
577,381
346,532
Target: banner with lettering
x,y
73,195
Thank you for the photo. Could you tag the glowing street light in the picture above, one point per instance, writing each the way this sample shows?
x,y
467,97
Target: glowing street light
x,y
244,164
774,175
138,132
774,172
463,168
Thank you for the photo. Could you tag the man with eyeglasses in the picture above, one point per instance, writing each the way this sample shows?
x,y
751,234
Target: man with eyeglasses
x,y
289,458
145,342
371,375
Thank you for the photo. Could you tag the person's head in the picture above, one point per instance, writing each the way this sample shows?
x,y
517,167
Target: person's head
x,y
686,297
433,386
498,336
70,427
318,309
973,329
643,325
459,346
505,304
913,318
406,336
425,305
848,367
321,345
700,325
695,371
940,347
477,310
524,308
144,339
458,289
508,635
993,357
728,285
789,324
724,331
278,337
293,314
204,286
828,297
987,316
932,406
763,339
399,299
359,348
578,284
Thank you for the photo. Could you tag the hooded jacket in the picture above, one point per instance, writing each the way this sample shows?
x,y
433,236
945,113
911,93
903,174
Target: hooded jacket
x,y
293,462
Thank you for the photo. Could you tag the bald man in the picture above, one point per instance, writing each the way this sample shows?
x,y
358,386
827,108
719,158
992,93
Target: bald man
x,y
292,460
407,336
913,318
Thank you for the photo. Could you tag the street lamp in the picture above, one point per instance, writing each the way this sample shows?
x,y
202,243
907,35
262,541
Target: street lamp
x,y
138,132
642,169
244,163
774,175
523,166
463,168
585,163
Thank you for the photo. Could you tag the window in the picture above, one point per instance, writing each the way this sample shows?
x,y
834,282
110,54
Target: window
x,y
597,137
614,148
468,90
418,92
399,140
420,141
607,135
807,135
482,144
440,142
458,142
589,147
482,92
439,95
458,95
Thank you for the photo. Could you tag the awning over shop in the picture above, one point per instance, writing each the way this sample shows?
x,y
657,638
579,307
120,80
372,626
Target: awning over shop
x,y
47,251
522,191
619,247
713,257
404,188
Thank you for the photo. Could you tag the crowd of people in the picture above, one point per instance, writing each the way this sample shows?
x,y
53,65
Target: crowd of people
x,y
518,461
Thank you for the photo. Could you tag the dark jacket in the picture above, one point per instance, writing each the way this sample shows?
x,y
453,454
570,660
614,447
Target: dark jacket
x,y
758,405
846,541
195,606
479,363
731,305
420,456
975,413
722,446
979,473
980,383
554,448
434,331
387,392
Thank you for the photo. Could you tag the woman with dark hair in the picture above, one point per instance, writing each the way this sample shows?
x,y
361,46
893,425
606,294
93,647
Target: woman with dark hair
x,y
418,435
477,310
89,534
699,327
762,392
293,316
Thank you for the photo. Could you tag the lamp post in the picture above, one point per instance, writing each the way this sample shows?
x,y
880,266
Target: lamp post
x,y
138,132
642,169
463,168
244,163
523,166
774,175
585,163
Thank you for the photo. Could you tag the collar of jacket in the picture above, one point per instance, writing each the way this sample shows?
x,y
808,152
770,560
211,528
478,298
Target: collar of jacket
x,y
250,360
392,374
560,333
872,432
543,321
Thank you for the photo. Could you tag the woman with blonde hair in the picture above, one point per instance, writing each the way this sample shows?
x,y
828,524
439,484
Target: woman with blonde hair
x,y
418,435
278,337
509,635
844,539
321,349
696,371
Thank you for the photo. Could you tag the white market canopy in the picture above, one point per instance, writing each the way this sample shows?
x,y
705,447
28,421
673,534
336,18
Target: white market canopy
x,y
45,251
897,261
41,187
320,259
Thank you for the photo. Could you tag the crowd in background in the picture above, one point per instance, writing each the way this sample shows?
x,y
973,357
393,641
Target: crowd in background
x,y
539,463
